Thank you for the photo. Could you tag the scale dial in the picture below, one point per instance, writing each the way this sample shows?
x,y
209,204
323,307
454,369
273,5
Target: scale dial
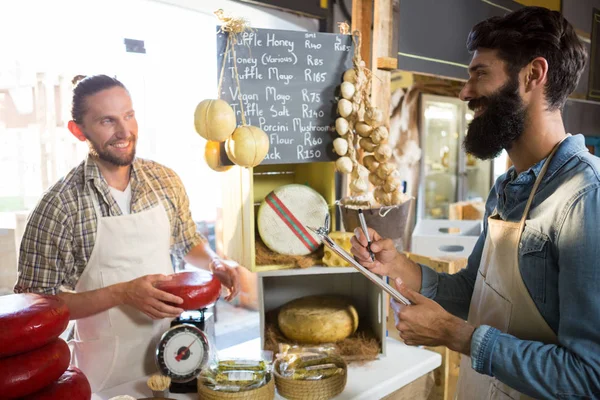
x,y
182,352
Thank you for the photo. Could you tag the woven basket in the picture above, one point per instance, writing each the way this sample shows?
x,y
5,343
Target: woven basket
x,y
266,392
322,389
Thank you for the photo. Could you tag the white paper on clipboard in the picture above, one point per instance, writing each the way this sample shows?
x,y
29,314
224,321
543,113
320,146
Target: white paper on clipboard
x,y
350,259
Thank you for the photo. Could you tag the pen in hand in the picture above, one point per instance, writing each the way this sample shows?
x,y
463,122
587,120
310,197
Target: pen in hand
x,y
363,225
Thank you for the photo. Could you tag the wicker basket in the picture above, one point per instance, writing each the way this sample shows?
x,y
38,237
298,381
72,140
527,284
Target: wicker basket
x,y
322,389
266,392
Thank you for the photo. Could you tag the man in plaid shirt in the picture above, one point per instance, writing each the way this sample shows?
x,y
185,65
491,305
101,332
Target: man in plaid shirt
x,y
103,236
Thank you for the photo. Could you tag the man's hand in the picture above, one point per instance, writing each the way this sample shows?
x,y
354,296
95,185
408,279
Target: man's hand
x,y
226,271
388,261
141,294
386,255
426,323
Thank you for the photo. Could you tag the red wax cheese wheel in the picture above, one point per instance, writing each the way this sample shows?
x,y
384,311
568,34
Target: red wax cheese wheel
x,y
27,373
30,321
197,289
72,385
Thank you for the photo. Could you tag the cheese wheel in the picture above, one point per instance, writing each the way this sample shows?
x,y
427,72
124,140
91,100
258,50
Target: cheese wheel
x,y
29,372
197,289
214,120
284,215
30,321
72,385
318,319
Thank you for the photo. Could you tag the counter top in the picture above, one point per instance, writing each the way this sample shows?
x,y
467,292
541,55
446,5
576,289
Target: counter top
x,y
373,380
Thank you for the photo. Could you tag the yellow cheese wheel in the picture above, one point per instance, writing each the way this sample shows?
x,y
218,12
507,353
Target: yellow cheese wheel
x,y
318,319
214,120
247,146
212,155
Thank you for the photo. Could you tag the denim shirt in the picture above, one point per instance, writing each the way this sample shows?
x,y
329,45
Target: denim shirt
x,y
559,262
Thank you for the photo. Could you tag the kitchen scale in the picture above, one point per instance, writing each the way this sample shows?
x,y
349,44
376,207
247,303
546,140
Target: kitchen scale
x,y
183,350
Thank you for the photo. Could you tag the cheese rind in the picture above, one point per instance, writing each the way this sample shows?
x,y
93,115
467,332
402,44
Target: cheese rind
x,y
72,385
29,321
318,319
29,372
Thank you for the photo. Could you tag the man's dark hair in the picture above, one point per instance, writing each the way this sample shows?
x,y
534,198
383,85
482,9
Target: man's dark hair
x,y
530,32
88,86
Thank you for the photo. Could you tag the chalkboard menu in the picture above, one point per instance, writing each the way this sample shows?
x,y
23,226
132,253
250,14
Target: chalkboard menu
x,y
288,85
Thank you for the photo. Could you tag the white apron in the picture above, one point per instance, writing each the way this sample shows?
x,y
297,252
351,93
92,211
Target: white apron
x,y
501,299
118,345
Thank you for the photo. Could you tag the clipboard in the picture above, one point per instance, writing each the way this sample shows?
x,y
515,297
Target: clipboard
x,y
323,234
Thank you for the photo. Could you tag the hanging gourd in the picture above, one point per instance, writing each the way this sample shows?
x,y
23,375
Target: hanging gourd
x,y
214,120
248,146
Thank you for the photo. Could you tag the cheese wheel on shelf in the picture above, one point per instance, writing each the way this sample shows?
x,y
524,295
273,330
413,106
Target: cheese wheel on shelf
x,y
284,215
30,372
318,319
198,289
72,385
30,321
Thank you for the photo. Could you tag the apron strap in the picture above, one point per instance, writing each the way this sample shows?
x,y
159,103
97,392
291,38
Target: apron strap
x,y
537,183
145,177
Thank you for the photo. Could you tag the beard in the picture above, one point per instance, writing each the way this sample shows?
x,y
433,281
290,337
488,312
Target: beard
x,y
502,122
106,153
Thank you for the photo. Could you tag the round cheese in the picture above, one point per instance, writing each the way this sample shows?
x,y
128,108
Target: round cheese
x,y
29,372
318,319
284,215
72,385
197,289
30,321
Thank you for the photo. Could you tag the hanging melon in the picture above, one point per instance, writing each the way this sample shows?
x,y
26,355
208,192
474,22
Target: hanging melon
x,y
248,146
212,156
214,120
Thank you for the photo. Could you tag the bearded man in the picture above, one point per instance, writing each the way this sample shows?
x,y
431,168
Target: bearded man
x,y
525,312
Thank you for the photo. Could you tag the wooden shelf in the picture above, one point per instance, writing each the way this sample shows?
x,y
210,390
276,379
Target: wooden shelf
x,y
306,271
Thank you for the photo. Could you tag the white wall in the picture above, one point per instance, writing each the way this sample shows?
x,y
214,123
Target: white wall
x,y
179,69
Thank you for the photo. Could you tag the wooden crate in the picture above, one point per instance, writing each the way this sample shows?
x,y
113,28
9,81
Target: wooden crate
x,y
446,375
275,288
245,188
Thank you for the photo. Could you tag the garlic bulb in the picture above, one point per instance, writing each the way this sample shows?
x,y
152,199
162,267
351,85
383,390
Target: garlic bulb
x,y
391,186
370,162
344,165
374,116
347,89
340,146
368,145
350,76
385,169
382,153
359,185
341,126
380,134
362,171
375,180
363,129
382,197
398,197
344,108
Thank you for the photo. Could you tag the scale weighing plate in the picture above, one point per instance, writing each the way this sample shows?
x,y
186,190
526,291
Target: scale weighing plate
x,y
182,352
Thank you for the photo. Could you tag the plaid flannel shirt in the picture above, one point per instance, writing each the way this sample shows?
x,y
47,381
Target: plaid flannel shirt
x,y
61,230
